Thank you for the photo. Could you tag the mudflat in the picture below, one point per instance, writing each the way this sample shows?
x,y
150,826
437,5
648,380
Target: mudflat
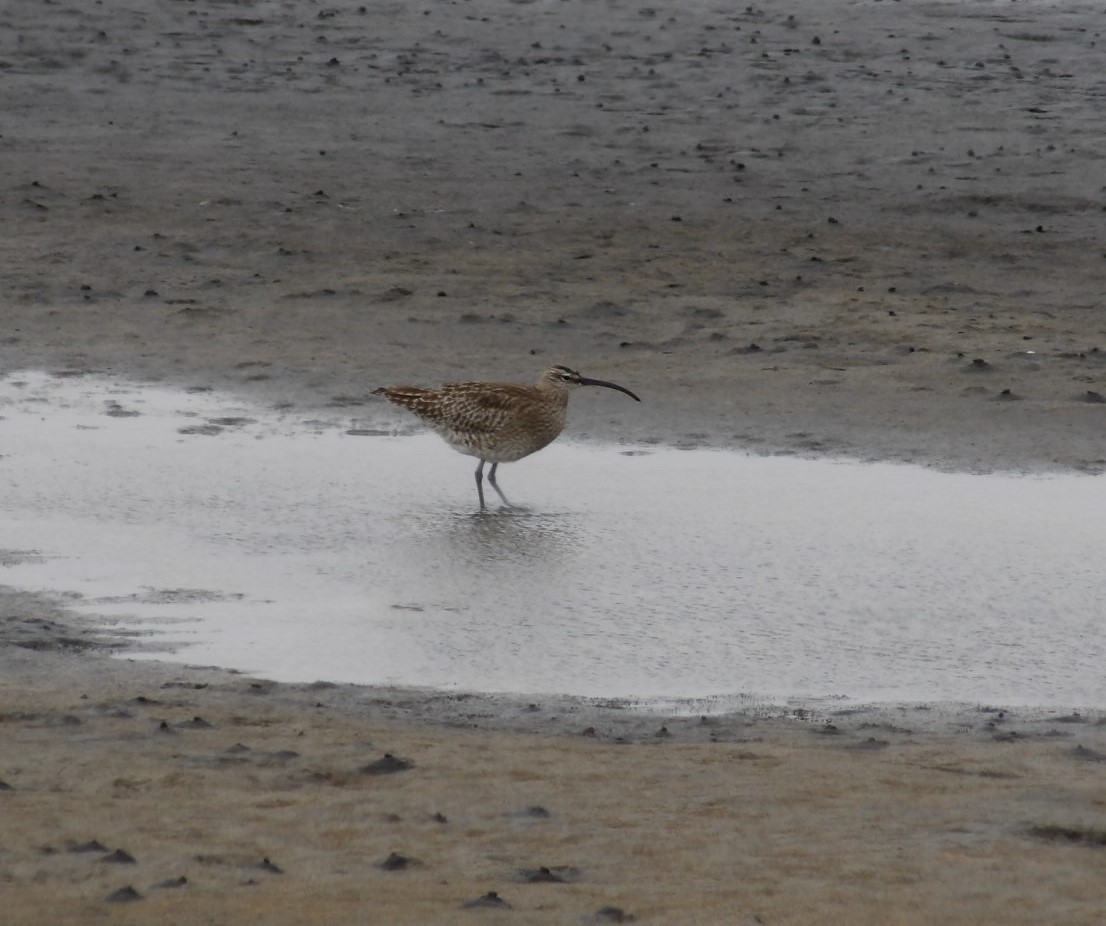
x,y
872,229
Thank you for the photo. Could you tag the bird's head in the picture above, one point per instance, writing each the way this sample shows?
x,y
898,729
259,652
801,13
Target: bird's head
x,y
563,378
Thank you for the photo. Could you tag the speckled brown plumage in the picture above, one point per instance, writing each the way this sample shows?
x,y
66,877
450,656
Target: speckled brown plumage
x,y
496,422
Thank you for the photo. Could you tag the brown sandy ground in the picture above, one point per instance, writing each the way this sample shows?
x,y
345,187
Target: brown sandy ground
x,y
206,797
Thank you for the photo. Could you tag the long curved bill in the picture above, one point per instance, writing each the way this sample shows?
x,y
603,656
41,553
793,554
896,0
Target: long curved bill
x,y
584,381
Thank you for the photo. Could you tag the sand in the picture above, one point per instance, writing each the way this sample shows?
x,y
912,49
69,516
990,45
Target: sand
x,y
870,229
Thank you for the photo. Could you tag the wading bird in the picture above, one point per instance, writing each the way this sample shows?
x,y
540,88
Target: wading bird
x,y
496,422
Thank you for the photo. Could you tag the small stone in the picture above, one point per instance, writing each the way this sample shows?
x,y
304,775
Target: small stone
x,y
490,899
541,875
123,895
93,845
613,915
387,765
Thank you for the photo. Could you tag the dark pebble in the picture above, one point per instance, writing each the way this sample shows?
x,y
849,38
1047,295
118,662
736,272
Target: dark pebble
x,y
870,744
490,899
387,765
201,430
613,915
270,867
124,895
93,845
1083,754
541,875
1069,835
119,857
395,862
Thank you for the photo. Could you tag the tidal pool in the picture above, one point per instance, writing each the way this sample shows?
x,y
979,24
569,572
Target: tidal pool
x,y
293,549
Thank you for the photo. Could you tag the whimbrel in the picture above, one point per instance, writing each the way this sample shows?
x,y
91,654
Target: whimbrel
x,y
496,422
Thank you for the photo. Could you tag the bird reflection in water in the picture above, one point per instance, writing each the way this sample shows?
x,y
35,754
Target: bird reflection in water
x,y
511,537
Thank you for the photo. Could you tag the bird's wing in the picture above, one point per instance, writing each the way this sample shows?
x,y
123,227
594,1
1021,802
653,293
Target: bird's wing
x,y
479,408
463,408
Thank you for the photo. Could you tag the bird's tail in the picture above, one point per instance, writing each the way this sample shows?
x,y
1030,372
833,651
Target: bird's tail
x,y
405,396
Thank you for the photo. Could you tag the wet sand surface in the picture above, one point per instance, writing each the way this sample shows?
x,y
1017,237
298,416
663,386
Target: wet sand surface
x,y
871,229
219,799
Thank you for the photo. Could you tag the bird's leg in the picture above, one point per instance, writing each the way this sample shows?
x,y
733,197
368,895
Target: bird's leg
x,y
499,492
480,480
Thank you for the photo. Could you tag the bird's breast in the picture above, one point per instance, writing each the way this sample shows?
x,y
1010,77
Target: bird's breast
x,y
507,436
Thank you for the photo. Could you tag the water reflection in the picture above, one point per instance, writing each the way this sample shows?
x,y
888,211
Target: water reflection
x,y
506,537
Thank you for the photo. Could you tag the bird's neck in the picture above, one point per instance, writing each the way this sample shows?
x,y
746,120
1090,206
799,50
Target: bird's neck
x,y
554,390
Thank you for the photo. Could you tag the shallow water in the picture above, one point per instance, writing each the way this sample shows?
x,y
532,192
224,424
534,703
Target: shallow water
x,y
292,549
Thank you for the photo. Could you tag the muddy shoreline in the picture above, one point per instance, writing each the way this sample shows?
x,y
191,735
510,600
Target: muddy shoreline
x,y
135,790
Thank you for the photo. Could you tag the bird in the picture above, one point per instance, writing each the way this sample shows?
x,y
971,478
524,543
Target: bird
x,y
496,422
